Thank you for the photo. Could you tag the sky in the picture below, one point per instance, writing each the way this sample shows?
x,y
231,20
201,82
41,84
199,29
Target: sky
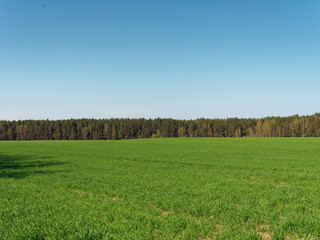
x,y
169,59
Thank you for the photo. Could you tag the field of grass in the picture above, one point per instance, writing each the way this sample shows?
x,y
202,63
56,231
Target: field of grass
x,y
186,188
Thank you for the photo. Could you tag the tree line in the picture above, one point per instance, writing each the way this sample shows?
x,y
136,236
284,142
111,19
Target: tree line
x,y
125,128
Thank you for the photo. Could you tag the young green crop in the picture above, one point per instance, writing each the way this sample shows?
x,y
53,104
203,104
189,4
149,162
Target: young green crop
x,y
182,188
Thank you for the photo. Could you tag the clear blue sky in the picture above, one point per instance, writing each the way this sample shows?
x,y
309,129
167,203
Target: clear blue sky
x,y
179,59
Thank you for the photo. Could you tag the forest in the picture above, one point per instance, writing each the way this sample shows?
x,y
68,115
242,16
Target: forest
x,y
126,128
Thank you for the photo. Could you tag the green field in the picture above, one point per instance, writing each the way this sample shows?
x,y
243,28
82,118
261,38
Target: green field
x,y
182,188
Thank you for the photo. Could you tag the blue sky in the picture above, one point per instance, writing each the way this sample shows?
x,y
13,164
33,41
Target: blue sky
x,y
179,59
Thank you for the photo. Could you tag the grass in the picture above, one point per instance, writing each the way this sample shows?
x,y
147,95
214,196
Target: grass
x,y
186,188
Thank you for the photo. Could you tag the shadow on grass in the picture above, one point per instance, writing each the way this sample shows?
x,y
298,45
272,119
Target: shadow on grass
x,y
21,166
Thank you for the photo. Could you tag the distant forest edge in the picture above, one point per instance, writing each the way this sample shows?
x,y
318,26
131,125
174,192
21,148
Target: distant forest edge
x,y
125,128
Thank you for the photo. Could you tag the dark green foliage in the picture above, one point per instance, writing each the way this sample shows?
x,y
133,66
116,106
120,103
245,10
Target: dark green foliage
x,y
102,129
